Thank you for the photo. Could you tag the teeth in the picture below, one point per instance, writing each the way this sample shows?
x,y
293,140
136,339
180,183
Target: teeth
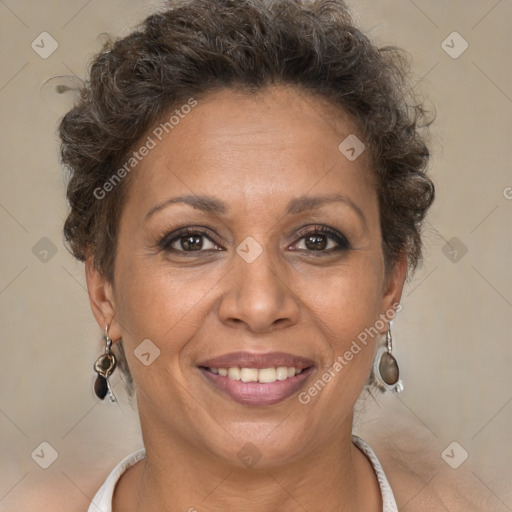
x,y
264,375
282,373
269,375
234,373
249,374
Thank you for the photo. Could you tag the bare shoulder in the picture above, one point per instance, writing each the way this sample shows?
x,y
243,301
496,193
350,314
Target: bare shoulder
x,y
53,491
421,479
423,482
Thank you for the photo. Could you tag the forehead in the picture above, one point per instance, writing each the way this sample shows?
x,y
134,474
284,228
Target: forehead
x,y
280,141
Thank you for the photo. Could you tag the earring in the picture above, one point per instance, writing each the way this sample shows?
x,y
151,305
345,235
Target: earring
x,y
104,366
385,367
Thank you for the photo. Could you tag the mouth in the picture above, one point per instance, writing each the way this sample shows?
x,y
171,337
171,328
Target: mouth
x,y
257,379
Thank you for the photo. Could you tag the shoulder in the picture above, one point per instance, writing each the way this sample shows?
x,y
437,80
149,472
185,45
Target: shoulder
x,y
65,490
423,482
420,478
59,491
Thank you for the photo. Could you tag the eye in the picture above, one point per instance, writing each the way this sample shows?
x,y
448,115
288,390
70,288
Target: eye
x,y
321,239
189,240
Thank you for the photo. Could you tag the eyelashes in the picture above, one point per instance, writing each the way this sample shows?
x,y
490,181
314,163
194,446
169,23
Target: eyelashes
x,y
314,236
194,240
192,237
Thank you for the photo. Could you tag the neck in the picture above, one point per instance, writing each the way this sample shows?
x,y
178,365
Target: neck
x,y
177,476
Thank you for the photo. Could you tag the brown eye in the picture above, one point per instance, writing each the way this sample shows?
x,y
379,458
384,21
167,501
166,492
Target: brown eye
x,y
316,242
189,240
322,239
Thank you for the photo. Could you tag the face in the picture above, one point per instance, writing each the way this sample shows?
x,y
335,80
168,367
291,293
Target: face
x,y
248,240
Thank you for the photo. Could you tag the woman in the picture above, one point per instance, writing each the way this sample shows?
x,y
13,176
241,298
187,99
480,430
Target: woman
x,y
247,190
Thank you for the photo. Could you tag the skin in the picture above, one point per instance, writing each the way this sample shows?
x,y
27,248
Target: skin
x,y
255,154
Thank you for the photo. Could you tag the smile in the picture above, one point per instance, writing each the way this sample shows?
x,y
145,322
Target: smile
x,y
264,375
257,379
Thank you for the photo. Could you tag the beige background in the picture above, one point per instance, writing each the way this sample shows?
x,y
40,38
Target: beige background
x,y
452,338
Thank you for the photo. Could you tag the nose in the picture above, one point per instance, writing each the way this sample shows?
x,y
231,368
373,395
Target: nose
x,y
259,296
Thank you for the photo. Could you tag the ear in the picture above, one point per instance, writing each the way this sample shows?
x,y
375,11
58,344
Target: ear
x,y
393,287
101,298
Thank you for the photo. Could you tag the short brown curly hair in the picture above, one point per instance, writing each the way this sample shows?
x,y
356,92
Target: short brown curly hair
x,y
192,47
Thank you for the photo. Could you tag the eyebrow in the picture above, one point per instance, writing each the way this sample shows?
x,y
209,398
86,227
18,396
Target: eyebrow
x,y
295,206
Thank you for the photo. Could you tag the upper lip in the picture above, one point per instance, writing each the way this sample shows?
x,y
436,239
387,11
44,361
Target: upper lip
x,y
257,360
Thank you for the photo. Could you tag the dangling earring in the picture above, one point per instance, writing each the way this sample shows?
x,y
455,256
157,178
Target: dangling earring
x,y
104,366
385,367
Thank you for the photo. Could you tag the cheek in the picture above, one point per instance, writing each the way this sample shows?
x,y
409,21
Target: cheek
x,y
346,301
160,304
347,309
155,302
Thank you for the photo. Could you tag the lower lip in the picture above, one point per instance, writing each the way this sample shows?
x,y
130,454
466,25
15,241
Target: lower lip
x,y
257,393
